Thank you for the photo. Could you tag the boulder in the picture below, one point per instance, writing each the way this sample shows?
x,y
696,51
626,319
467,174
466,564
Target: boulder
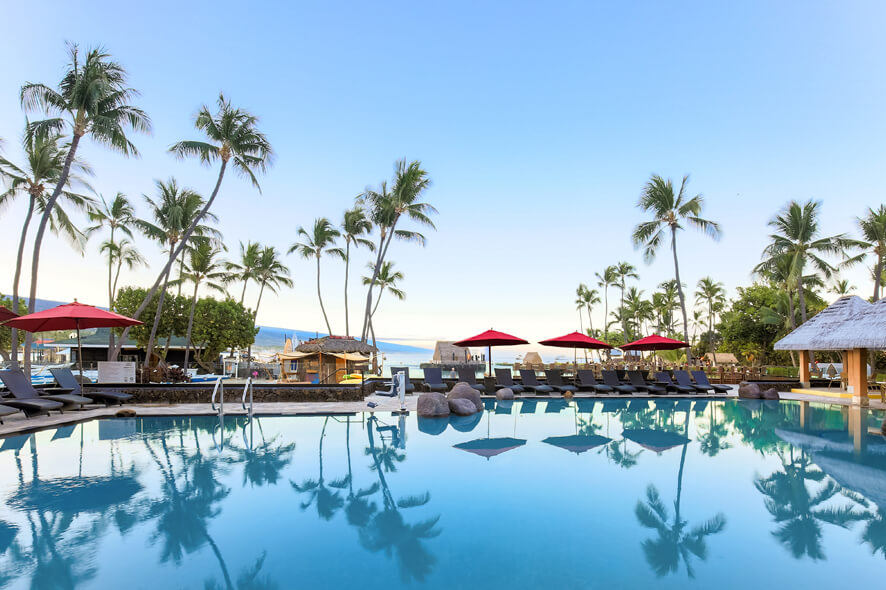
x,y
749,391
568,393
505,393
771,393
462,407
125,413
432,405
464,391
883,427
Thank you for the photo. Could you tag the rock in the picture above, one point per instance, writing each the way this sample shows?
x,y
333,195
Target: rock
x,y
505,393
568,393
749,391
432,405
464,391
465,423
883,427
125,413
462,407
771,393
432,426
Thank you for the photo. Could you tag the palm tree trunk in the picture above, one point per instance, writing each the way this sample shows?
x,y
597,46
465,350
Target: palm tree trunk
x,y
680,293
347,264
181,269
243,293
164,274
320,297
878,272
711,332
111,291
801,300
153,336
606,312
190,325
18,273
38,239
261,290
383,252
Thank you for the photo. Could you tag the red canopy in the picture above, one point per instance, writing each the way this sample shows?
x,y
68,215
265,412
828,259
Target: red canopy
x,y
71,316
574,340
6,313
491,338
654,342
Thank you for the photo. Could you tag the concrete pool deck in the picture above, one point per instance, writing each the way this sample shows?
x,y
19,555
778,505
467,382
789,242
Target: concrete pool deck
x,y
19,424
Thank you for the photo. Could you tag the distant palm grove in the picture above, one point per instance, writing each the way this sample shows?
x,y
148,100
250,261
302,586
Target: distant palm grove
x,y
200,287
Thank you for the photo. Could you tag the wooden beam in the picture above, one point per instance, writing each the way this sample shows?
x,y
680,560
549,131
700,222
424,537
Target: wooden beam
x,y
857,375
804,368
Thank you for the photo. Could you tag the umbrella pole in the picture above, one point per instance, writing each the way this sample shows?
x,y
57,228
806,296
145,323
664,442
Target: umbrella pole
x,y
79,351
489,358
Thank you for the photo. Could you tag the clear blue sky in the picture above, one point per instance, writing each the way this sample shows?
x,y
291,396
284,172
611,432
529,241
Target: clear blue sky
x,y
538,123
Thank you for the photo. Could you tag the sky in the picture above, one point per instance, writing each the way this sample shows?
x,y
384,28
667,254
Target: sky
x,y
538,124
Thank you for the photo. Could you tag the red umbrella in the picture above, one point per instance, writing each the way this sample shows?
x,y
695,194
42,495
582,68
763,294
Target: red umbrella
x,y
654,342
491,338
71,316
574,341
6,313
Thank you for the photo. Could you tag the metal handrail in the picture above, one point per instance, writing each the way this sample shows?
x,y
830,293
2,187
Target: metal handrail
x,y
219,389
247,388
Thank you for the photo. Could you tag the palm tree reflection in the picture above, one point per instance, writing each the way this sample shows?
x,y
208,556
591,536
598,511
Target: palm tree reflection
x,y
325,497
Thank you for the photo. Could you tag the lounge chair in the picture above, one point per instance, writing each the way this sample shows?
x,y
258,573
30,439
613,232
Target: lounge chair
x,y
7,411
410,388
555,380
469,376
701,378
530,382
504,379
25,397
65,378
683,379
610,378
587,382
664,379
434,380
639,382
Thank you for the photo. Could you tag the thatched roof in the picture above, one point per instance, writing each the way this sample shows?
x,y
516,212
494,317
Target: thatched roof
x,y
723,358
447,352
836,327
333,344
532,358
866,330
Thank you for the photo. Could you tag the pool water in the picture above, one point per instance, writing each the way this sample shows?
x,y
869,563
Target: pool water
x,y
581,494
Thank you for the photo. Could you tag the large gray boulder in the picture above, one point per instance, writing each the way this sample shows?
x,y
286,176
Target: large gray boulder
x,y
749,391
883,427
504,393
462,407
464,391
432,405
771,393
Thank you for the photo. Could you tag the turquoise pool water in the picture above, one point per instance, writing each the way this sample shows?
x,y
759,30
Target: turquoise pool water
x,y
614,493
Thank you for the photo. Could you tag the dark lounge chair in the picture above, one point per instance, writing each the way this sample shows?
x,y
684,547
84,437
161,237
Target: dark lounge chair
x,y
504,379
683,379
65,378
7,411
664,379
701,378
639,382
434,380
410,388
610,378
555,380
25,397
530,382
469,376
587,382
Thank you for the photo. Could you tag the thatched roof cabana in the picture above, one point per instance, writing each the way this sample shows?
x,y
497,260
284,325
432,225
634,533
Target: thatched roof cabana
x,y
723,358
448,352
335,344
833,328
532,358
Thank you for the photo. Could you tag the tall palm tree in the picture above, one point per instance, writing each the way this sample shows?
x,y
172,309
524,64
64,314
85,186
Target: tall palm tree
x,y
669,212
604,281
118,214
45,157
386,279
354,226
841,288
92,99
623,272
873,228
202,267
244,270
580,304
387,208
121,253
319,241
233,138
590,297
711,295
173,211
797,243
271,274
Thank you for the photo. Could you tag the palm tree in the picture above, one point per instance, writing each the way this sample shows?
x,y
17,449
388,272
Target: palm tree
x,y
270,273
712,295
319,241
669,212
118,214
796,243
354,226
604,281
122,253
233,138
634,309
45,157
386,279
173,211
385,211
873,228
245,269
92,99
203,266
623,272
580,303
841,288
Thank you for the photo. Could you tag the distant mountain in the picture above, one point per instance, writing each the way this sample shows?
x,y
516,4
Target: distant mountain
x,y
269,337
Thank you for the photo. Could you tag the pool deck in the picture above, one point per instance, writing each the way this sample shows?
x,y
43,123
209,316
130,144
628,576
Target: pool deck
x,y
18,423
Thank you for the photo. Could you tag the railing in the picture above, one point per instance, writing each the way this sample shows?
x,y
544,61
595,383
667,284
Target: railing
x,y
247,389
219,390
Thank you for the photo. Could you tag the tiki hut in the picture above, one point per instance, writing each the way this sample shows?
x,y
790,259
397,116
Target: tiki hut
x,y
324,360
446,352
532,359
840,326
722,358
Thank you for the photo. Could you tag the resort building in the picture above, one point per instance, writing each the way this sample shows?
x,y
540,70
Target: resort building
x,y
325,360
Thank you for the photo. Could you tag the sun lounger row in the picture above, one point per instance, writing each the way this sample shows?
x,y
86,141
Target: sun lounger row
x,y
22,396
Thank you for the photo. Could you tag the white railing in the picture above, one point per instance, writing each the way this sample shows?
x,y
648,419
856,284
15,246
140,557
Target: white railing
x,y
219,390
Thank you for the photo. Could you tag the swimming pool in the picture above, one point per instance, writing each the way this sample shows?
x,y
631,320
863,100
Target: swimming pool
x,y
588,493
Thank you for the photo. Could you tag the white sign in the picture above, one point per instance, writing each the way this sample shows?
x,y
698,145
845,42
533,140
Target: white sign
x,y
116,372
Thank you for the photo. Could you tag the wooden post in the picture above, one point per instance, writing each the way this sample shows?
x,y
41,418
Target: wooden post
x,y
857,375
804,368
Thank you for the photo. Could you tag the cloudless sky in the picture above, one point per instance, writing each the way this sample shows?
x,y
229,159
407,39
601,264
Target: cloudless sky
x,y
538,124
